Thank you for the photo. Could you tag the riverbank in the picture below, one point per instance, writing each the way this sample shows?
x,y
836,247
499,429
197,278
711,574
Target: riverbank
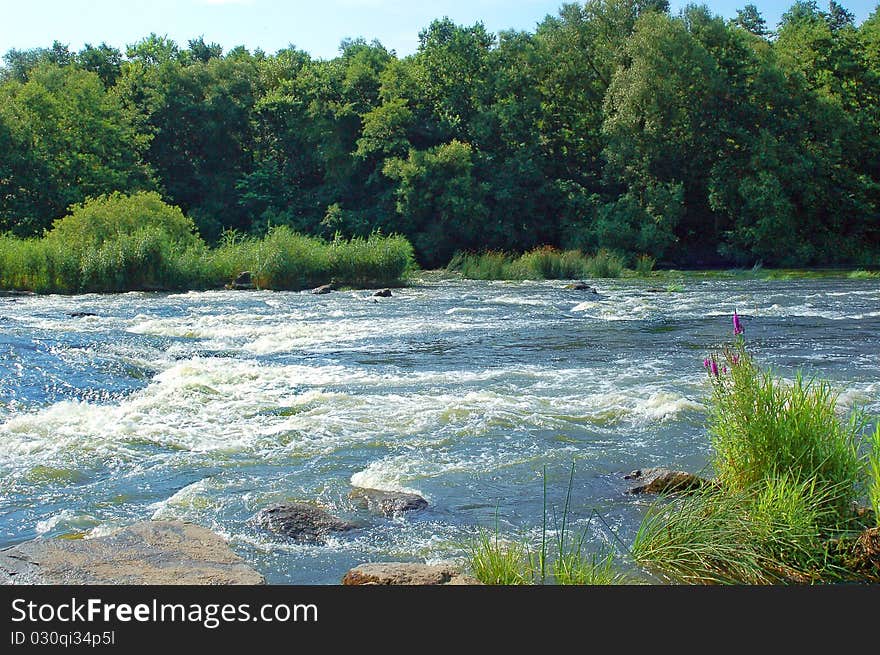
x,y
122,243
547,263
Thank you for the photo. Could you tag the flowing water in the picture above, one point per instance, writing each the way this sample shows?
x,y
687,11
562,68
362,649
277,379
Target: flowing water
x,y
210,406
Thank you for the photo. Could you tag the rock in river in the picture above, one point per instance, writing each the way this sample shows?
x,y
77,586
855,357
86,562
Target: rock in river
x,y
387,503
401,573
664,481
324,288
146,553
302,522
382,293
580,286
244,282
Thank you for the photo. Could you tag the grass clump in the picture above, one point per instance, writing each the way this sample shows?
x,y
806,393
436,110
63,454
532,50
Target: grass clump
x,y
645,265
789,473
545,263
496,560
873,469
605,264
862,274
123,243
768,534
762,427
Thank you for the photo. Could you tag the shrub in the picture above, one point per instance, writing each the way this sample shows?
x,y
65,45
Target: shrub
x,y
605,264
645,265
109,217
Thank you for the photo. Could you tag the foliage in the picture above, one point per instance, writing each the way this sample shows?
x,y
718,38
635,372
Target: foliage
x,y
767,534
763,427
873,460
614,124
789,475
539,264
496,560
120,243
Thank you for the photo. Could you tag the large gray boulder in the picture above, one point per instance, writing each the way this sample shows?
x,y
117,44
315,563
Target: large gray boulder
x,y
386,503
401,573
302,522
146,553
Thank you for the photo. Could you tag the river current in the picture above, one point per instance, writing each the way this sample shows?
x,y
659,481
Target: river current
x,y
210,406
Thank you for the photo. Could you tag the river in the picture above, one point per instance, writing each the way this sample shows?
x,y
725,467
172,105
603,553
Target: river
x,y
209,406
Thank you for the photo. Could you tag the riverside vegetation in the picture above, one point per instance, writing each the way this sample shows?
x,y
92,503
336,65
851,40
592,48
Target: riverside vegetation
x,y
791,476
614,124
137,242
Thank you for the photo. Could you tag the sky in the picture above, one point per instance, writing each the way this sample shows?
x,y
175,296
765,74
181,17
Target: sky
x,y
316,26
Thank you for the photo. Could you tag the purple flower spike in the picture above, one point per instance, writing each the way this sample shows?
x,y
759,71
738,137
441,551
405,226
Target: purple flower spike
x,y
737,325
714,368
706,363
724,369
734,360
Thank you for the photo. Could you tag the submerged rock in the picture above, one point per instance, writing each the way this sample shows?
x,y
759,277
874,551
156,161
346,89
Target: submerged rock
x,y
580,286
387,503
81,314
302,522
146,553
383,293
244,282
402,573
664,481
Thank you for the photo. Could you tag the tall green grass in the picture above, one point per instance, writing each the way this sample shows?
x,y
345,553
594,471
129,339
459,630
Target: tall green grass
x,y
789,471
873,461
499,560
122,243
762,427
768,534
495,560
544,263
862,274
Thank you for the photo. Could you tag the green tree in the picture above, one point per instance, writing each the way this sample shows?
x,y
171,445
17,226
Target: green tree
x,y
438,201
751,20
80,143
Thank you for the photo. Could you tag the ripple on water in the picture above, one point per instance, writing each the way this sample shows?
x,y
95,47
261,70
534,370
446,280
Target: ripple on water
x,y
210,406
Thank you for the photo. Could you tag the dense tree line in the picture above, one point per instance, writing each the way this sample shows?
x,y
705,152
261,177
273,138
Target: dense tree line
x,y
615,125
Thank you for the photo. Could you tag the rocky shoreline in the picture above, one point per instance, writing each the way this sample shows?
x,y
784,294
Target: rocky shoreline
x,y
182,553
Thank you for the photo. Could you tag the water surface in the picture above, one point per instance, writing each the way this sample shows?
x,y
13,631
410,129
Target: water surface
x,y
209,406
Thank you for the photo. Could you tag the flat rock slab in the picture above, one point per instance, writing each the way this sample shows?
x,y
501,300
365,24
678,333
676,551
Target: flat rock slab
x,y
302,522
665,481
146,553
401,573
387,503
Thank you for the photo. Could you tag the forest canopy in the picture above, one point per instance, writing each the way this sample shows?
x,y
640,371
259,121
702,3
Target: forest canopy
x,y
693,139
